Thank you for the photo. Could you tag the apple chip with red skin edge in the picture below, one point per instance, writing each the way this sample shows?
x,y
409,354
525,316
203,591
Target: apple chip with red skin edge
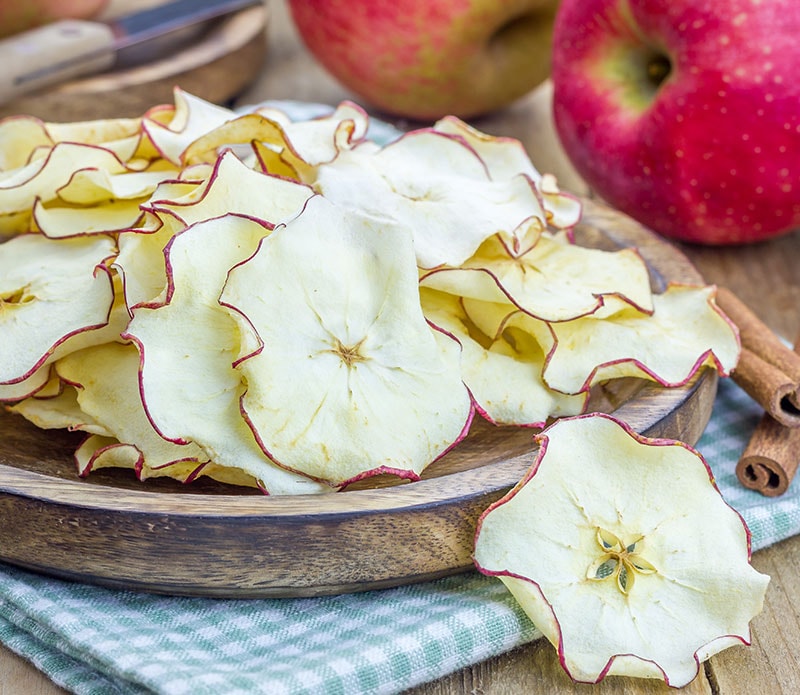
x,y
106,379
199,374
114,199
141,260
350,380
300,145
60,411
685,331
623,553
49,291
551,280
504,378
191,118
93,186
25,138
505,158
242,130
438,186
99,451
28,387
20,137
315,141
42,178
233,187
96,452
61,222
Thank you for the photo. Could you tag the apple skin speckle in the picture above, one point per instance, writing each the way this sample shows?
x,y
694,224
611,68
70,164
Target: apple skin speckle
x,y
712,153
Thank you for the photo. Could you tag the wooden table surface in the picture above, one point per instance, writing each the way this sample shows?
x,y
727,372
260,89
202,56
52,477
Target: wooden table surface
x,y
763,275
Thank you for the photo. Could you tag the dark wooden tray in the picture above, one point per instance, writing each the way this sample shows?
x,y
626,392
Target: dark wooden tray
x,y
206,539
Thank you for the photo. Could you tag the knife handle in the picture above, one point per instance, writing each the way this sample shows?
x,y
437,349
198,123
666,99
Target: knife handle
x,y
53,53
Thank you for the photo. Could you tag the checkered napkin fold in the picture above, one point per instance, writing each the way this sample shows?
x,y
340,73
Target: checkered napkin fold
x,y
96,641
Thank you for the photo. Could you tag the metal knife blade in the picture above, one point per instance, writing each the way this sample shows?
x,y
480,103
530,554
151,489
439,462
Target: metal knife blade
x,y
68,49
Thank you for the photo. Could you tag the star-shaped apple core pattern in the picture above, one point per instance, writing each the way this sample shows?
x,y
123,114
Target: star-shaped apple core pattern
x,y
618,561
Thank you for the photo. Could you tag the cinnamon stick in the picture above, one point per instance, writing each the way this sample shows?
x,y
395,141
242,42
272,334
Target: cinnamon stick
x,y
768,370
772,455
771,458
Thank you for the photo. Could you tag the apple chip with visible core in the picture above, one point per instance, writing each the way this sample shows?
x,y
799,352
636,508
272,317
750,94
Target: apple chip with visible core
x,y
437,186
49,291
623,553
350,380
188,345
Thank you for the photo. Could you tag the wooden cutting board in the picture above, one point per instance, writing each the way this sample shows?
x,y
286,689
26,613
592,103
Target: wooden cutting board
x,y
206,539
217,66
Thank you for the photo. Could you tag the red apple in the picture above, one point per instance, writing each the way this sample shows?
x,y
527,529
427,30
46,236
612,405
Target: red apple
x,y
19,16
424,59
684,114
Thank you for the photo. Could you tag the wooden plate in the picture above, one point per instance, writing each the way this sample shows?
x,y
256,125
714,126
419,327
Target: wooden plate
x,y
209,540
217,67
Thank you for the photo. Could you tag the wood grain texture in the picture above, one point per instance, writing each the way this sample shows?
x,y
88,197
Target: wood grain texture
x,y
217,68
212,541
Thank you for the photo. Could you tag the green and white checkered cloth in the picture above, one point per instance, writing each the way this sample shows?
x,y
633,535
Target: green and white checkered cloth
x,y
96,641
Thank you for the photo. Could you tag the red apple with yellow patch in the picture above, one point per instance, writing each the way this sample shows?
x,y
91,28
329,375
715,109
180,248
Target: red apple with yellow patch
x,y
424,60
684,114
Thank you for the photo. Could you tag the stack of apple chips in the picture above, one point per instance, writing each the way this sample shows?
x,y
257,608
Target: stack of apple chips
x,y
293,306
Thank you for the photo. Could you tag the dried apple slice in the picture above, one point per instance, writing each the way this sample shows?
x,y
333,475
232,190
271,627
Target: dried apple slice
x,y
351,381
176,366
504,374
49,290
505,158
27,387
236,188
96,452
436,185
623,553
20,137
93,186
191,118
300,145
551,280
42,178
99,451
94,131
107,383
60,222
59,412
685,331
141,260
242,130
314,141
